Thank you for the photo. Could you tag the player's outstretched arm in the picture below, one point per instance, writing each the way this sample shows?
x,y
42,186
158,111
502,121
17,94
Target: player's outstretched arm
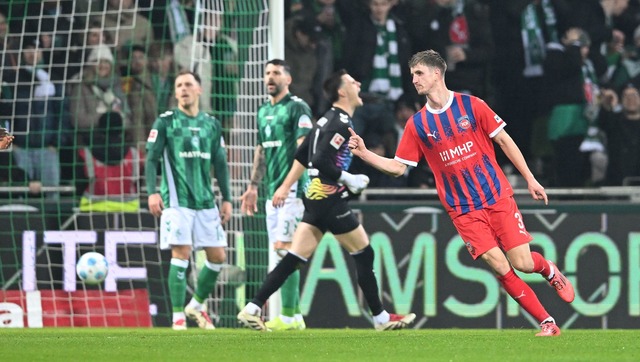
x,y
383,164
512,151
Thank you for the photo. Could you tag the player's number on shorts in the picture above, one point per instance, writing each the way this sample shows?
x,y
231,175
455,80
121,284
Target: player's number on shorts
x,y
518,217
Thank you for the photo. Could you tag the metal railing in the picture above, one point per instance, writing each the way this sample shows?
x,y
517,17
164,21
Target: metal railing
x,y
631,193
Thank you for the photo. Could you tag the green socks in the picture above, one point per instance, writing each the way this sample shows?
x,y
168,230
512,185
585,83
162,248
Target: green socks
x,y
290,293
206,281
178,283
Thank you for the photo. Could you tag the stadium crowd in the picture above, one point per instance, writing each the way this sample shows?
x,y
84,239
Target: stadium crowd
x,y
563,74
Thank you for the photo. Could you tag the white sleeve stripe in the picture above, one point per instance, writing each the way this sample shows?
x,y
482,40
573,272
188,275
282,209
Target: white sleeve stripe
x,y
406,162
500,127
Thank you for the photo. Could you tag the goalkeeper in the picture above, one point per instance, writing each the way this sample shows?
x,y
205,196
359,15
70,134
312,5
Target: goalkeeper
x,y
326,155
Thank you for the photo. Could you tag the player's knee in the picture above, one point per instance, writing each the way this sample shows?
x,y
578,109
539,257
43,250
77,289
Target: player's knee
x,y
524,265
181,251
298,261
500,265
216,255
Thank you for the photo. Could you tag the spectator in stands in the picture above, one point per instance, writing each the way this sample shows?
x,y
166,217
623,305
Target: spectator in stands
x,y
141,98
521,29
185,45
618,67
301,36
84,43
4,28
109,170
329,46
633,55
574,89
11,175
54,27
460,30
621,122
98,92
624,61
627,21
216,60
225,74
596,18
376,48
35,126
10,39
4,38
123,26
162,74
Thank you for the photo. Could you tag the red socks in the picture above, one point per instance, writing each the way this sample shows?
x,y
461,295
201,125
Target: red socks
x,y
523,294
540,265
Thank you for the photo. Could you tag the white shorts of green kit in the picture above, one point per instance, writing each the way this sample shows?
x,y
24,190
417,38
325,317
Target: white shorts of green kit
x,y
198,228
282,221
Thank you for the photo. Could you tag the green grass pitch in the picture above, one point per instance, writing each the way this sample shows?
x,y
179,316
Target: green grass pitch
x,y
163,344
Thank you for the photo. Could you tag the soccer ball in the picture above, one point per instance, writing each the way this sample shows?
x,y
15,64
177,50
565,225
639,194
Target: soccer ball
x,y
92,268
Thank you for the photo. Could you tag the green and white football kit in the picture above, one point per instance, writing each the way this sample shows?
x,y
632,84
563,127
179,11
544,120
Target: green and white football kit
x,y
189,147
280,125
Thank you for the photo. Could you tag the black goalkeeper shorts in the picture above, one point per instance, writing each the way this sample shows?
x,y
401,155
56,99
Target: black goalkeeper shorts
x,y
330,214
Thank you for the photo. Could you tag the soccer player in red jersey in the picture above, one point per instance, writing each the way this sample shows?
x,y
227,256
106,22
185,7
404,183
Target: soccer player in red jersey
x,y
454,133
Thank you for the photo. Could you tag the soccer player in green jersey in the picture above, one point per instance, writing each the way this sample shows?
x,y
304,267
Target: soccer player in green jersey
x,y
190,142
283,122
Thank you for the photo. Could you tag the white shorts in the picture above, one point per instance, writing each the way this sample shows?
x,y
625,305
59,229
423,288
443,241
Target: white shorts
x,y
198,228
282,221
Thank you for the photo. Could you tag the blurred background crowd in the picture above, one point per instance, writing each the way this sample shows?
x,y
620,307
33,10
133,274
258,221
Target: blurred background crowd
x,y
563,74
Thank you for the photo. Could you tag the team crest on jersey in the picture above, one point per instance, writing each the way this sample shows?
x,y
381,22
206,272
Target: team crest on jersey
x,y
471,249
267,131
153,135
463,122
337,141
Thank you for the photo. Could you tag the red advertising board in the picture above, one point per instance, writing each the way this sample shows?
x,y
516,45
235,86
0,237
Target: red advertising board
x,y
83,308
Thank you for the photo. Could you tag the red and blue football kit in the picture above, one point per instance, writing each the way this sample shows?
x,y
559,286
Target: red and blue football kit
x,y
456,142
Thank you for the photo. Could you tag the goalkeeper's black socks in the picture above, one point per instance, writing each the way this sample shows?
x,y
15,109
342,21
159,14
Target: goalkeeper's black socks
x,y
274,280
367,279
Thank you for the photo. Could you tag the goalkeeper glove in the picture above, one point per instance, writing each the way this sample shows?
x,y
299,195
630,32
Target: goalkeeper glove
x,y
355,183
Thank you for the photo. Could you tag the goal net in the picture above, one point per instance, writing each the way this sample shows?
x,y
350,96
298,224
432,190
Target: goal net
x,y
82,83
